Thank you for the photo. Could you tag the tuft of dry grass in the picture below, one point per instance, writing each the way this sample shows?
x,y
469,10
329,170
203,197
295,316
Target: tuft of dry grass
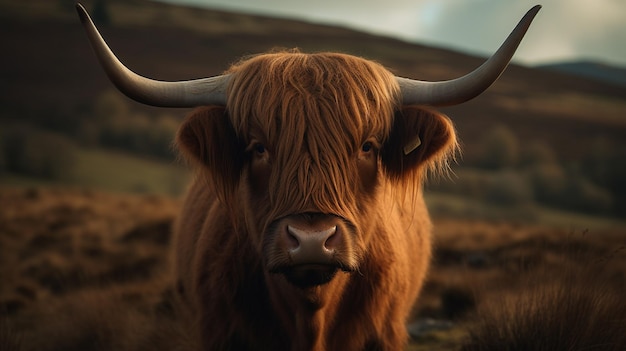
x,y
575,310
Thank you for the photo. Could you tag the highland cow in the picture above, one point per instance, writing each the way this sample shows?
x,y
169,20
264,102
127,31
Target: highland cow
x,y
305,227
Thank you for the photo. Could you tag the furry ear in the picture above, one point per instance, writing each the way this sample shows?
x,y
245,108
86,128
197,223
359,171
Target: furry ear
x,y
419,137
207,139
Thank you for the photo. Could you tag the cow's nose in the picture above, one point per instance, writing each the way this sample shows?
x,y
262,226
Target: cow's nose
x,y
311,246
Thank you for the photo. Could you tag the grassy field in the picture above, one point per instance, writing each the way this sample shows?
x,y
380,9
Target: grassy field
x,y
116,172
446,205
124,173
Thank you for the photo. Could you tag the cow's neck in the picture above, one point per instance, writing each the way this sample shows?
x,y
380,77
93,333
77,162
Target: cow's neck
x,y
307,314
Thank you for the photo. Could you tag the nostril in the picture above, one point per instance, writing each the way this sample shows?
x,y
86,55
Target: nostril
x,y
292,241
332,241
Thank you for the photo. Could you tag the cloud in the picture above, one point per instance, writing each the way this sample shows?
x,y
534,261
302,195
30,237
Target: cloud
x,y
563,29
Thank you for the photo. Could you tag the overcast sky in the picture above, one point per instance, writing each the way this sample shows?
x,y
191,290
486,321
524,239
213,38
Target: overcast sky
x,y
563,29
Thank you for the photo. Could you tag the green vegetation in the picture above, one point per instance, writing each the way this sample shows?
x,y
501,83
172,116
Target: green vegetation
x,y
500,149
111,147
508,175
112,171
113,124
35,153
117,171
442,204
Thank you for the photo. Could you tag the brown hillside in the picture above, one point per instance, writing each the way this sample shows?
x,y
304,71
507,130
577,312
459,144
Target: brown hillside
x,y
48,71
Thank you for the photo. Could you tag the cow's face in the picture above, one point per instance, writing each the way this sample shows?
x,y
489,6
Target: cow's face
x,y
303,151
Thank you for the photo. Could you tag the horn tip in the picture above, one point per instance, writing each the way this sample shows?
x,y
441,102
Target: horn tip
x,y
529,16
82,12
533,11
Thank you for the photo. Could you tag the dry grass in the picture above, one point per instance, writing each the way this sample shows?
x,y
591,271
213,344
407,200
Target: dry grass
x,y
575,310
505,282
488,260
83,270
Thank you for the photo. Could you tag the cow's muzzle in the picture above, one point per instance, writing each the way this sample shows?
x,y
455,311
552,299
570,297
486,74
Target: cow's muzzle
x,y
309,248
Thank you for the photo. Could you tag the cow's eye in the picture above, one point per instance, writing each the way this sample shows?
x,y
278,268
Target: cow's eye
x,y
367,146
259,148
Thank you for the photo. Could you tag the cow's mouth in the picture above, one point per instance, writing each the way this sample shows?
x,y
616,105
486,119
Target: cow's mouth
x,y
309,248
309,275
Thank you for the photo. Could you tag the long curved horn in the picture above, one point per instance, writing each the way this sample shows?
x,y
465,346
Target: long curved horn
x,y
459,90
190,93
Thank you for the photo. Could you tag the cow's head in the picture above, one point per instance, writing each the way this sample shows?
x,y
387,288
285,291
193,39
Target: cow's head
x,y
301,145
305,144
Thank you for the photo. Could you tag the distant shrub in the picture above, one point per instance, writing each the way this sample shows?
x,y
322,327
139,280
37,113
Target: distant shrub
x,y
596,163
569,188
582,195
3,162
548,181
510,176
537,153
505,187
116,126
604,166
127,132
468,183
500,149
111,104
89,133
509,188
616,184
37,153
161,135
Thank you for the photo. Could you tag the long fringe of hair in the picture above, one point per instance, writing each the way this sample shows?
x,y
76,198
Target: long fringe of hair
x,y
324,104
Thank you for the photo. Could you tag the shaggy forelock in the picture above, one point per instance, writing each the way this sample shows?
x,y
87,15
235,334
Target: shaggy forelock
x,y
324,105
345,91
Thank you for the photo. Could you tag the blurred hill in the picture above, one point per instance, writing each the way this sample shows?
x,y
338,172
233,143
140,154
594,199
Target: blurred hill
x,y
52,84
594,70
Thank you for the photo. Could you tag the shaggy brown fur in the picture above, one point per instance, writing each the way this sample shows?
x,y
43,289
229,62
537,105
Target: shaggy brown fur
x,y
306,134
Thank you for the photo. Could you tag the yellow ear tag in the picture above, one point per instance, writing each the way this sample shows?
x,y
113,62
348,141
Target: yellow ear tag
x,y
410,147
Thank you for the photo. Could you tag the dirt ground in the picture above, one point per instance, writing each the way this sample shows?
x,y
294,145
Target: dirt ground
x,y
85,270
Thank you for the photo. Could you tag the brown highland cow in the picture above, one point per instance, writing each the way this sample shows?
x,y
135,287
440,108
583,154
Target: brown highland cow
x,y
305,226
